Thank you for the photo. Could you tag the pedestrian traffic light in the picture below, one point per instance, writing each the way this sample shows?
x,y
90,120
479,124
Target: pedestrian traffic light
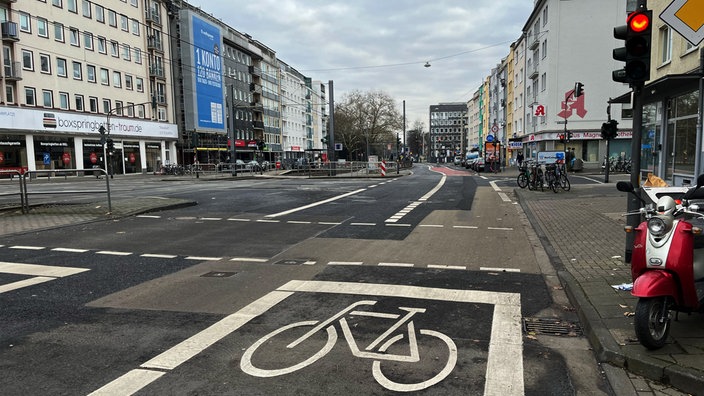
x,y
569,136
636,34
562,138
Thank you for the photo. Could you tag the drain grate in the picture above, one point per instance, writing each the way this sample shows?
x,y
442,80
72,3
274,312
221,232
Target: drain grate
x,y
550,326
218,274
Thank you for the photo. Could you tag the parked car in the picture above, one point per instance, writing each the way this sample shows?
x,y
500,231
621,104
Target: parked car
x,y
253,166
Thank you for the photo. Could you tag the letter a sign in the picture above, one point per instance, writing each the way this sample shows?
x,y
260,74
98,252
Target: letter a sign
x,y
540,111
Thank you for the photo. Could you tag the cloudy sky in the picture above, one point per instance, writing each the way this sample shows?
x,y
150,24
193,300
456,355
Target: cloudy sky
x,y
384,44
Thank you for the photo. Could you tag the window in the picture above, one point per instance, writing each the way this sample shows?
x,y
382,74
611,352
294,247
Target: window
x,y
545,15
665,44
130,109
77,71
543,82
137,56
124,23
93,104
90,73
30,98
139,84
99,13
88,41
73,6
42,28
45,63
27,60
58,32
25,23
545,49
63,100
140,111
102,48
134,3
86,6
128,82
112,18
79,102
104,76
61,67
106,106
57,3
161,112
116,79
74,37
118,107
48,98
135,27
115,49
126,52
9,94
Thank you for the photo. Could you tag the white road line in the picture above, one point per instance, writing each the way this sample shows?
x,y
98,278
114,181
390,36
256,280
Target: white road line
x,y
396,265
298,222
328,223
39,270
27,247
69,250
24,283
497,269
362,224
112,253
309,262
450,267
211,218
252,259
500,228
239,220
267,221
148,216
137,379
187,218
467,227
504,197
202,258
398,225
165,256
345,263
494,186
431,225
314,204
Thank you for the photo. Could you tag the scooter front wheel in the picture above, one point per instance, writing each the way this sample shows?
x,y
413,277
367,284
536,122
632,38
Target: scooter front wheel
x,y
652,321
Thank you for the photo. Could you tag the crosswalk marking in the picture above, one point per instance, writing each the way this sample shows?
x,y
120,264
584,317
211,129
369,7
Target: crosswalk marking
x,y
39,274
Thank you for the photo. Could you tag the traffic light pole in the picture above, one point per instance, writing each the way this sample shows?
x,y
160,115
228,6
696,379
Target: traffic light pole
x,y
633,204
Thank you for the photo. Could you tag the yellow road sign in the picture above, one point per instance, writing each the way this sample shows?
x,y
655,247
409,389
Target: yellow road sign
x,y
686,17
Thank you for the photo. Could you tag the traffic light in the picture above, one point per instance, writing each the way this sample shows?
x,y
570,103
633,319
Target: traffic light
x,y
578,89
637,34
111,146
562,138
609,130
569,136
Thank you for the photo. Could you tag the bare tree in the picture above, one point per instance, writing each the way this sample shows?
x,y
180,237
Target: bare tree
x,y
415,138
365,119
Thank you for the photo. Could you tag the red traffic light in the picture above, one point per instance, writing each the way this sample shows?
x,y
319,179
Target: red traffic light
x,y
638,22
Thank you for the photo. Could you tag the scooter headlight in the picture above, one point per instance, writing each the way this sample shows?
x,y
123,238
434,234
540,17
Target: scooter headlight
x,y
657,227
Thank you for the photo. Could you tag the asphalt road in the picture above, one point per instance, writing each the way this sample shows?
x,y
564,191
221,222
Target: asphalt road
x,y
417,283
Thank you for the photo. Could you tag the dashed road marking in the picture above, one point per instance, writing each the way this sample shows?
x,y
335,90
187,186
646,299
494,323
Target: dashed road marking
x,y
113,253
69,250
496,269
148,216
450,267
362,224
203,258
252,259
345,263
396,265
164,256
20,247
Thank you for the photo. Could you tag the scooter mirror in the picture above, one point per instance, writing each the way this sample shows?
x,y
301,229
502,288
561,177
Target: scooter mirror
x,y
626,186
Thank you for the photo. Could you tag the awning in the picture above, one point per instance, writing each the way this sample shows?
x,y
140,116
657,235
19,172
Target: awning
x,y
668,85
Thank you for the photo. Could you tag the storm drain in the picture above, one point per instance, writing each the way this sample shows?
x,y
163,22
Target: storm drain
x,y
218,274
549,326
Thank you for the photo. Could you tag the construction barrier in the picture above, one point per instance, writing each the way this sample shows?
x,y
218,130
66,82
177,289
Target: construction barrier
x,y
383,168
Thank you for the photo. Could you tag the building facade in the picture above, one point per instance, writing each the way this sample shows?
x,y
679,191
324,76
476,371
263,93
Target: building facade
x,y
71,67
448,130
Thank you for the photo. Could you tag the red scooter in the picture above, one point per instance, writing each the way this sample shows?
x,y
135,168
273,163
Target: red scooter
x,y
667,264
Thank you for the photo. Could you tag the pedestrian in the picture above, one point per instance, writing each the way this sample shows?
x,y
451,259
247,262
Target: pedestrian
x,y
519,158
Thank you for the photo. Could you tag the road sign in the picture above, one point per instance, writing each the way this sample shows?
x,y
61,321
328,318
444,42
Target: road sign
x,y
494,128
686,17
489,138
338,146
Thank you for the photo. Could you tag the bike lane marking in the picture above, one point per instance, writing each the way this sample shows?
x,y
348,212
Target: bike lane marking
x,y
504,375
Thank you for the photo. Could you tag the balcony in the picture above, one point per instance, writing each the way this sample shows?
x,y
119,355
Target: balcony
x,y
258,124
257,107
255,88
9,31
533,71
154,43
157,71
12,72
255,71
153,16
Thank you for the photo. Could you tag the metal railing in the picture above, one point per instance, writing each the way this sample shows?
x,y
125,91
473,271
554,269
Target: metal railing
x,y
29,178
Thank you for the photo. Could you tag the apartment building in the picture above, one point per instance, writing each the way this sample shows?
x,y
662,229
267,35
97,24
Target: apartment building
x,y
296,124
448,128
71,67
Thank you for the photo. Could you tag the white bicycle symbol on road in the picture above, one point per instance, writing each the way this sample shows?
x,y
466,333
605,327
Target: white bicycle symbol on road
x,y
376,350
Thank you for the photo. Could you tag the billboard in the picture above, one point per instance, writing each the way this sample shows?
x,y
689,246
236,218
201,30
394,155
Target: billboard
x,y
204,87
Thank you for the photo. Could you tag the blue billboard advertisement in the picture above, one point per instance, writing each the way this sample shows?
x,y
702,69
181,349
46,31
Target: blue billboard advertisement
x,y
208,85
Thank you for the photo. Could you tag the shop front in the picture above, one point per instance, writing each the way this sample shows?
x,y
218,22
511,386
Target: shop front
x,y
32,140
585,145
